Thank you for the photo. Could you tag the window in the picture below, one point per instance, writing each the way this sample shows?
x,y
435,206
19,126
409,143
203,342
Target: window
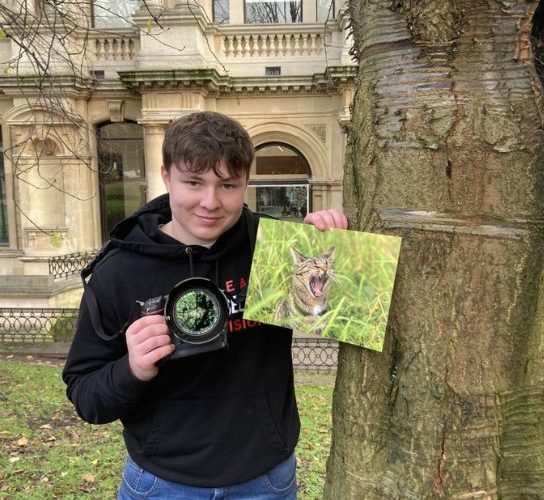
x,y
279,182
325,10
113,13
284,201
273,11
121,171
3,200
272,71
99,74
221,11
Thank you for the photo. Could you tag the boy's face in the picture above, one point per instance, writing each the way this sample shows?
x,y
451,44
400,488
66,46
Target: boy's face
x,y
203,204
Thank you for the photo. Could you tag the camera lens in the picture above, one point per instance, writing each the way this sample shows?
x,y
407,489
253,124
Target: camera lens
x,y
196,310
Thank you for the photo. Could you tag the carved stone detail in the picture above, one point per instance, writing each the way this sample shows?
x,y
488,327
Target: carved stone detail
x,y
320,130
116,107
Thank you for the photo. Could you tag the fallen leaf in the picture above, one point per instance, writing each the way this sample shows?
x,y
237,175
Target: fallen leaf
x,y
22,442
14,459
89,478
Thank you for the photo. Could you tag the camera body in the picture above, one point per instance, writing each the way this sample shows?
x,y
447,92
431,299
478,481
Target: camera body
x,y
196,312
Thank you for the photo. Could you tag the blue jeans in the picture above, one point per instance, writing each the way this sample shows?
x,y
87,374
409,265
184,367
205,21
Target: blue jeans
x,y
277,483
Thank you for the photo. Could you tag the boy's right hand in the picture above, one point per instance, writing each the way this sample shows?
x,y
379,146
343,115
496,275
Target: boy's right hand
x,y
148,341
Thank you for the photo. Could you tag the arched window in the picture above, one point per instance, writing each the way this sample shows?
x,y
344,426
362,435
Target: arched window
x,y
279,183
122,173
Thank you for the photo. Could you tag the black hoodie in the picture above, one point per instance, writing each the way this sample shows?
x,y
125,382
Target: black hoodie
x,y
212,419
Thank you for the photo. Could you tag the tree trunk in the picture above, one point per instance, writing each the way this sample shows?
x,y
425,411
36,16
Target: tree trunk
x,y
446,149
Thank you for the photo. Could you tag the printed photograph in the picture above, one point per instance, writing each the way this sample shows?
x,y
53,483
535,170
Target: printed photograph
x,y
335,284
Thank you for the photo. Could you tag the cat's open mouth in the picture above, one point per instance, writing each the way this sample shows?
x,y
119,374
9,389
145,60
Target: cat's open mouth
x,y
317,284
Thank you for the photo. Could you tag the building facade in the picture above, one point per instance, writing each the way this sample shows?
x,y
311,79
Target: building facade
x,y
85,102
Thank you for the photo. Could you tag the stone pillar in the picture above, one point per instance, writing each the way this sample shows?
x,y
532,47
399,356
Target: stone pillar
x,y
208,8
153,138
236,10
346,58
326,194
319,195
309,11
335,195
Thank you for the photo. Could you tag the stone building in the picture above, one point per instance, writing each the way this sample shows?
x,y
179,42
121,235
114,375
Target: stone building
x,y
82,136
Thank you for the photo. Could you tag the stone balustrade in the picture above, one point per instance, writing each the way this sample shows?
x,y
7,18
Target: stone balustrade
x,y
112,47
273,44
232,42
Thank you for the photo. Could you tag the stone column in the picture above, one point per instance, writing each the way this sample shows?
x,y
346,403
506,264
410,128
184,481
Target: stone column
x,y
153,138
309,11
326,193
236,11
335,195
319,195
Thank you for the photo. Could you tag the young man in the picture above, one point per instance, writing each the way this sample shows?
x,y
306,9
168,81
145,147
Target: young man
x,y
216,424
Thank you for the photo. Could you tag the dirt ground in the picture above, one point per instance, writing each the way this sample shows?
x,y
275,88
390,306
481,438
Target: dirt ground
x,y
29,358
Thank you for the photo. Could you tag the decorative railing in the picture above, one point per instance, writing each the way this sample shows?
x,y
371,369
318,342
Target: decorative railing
x,y
230,42
50,325
272,44
37,326
64,266
314,354
112,46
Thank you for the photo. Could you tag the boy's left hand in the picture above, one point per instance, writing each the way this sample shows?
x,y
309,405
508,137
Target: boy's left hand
x,y
327,219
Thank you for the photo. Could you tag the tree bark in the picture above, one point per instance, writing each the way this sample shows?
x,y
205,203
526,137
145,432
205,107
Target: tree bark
x,y
446,149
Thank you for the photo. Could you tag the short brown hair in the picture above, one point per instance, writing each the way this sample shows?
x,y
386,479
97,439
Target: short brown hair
x,y
202,140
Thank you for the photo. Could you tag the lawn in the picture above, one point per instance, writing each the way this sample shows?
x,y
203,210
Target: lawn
x,y
47,452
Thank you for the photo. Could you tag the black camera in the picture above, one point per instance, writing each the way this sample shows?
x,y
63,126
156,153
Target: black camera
x,y
196,313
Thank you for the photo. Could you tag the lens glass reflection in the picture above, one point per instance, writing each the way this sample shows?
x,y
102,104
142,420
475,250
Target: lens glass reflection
x,y
196,312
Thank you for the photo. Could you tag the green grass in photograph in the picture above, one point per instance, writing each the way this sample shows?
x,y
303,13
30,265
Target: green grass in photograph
x,y
47,452
359,297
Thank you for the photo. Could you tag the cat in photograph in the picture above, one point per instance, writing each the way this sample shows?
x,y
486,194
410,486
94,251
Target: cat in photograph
x,y
309,286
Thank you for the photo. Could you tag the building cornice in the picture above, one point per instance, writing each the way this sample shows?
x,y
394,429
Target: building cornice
x,y
203,79
69,85
211,82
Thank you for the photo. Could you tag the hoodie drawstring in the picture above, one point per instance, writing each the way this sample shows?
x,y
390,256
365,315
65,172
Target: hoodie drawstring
x,y
189,252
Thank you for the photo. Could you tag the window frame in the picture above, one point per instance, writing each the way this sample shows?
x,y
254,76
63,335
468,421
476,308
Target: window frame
x,y
333,11
141,180
128,24
4,209
228,10
271,23
282,180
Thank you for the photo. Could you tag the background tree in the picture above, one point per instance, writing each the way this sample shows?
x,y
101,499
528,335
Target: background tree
x,y
446,149
47,66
